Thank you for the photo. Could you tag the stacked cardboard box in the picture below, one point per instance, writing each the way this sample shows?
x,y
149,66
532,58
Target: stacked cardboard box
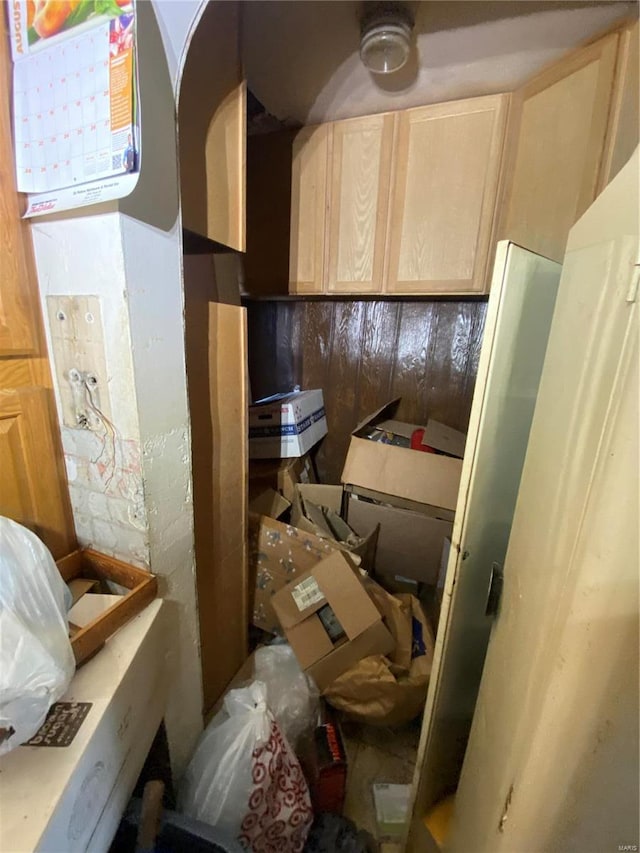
x,y
286,425
281,475
279,552
411,494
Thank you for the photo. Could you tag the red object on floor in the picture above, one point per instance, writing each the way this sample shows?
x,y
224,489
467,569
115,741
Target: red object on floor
x,y
417,437
328,782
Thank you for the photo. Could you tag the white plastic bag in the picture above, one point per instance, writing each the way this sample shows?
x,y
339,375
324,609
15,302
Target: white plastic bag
x,y
292,697
245,779
36,659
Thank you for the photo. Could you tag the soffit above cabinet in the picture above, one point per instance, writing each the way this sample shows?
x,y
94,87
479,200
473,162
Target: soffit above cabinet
x,y
301,59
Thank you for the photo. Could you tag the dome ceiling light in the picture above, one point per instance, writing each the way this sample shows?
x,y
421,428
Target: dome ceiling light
x,y
385,37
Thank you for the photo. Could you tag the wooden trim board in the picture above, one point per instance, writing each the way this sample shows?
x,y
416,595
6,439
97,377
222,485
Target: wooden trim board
x,y
221,570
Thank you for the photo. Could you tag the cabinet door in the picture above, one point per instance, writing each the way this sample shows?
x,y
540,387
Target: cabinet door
x,y
33,488
519,314
308,210
558,128
358,209
444,196
17,321
33,485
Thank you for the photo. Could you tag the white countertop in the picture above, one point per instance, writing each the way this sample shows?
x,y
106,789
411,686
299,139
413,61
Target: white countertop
x,y
64,799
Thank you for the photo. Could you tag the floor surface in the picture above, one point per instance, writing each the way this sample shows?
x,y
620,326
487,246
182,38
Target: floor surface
x,y
376,755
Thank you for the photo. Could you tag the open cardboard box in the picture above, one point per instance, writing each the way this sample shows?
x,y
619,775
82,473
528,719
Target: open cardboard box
x,y
411,494
83,569
330,620
269,503
282,475
409,543
425,478
317,509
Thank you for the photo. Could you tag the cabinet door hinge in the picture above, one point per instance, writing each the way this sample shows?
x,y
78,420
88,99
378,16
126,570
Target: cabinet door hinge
x,y
494,593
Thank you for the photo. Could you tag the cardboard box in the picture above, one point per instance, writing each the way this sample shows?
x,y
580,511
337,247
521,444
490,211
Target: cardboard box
x,y
330,620
319,494
436,435
427,478
286,425
401,503
269,503
397,585
317,509
278,553
282,475
409,543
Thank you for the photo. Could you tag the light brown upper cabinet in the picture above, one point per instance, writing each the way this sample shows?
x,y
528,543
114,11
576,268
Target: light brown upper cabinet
x,y
624,119
397,203
445,187
558,128
359,173
413,202
308,210
212,123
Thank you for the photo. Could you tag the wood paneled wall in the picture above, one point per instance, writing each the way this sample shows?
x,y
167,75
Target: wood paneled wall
x,y
364,353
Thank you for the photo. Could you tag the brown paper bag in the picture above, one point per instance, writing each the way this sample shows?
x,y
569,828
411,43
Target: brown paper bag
x,y
396,612
378,690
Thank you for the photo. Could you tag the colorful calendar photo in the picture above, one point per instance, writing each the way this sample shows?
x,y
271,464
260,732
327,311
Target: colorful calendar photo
x,y
74,92
34,21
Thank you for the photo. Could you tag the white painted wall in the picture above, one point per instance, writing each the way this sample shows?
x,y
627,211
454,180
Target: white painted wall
x,y
83,255
176,20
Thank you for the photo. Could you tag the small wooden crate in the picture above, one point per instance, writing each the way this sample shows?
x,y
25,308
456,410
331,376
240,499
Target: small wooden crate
x,y
141,585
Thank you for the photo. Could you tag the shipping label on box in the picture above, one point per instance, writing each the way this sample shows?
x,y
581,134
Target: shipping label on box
x,y
286,425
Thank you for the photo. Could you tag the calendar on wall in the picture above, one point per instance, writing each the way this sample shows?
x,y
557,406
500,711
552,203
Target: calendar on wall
x,y
74,101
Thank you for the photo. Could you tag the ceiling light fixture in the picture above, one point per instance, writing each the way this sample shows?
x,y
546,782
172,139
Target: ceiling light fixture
x,y
385,38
